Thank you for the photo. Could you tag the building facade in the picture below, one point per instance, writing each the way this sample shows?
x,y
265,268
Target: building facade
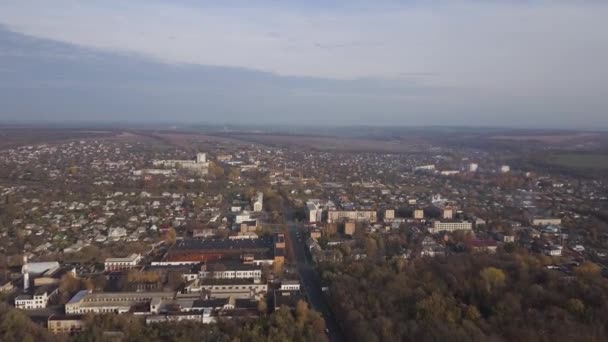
x,y
439,226
119,264
355,215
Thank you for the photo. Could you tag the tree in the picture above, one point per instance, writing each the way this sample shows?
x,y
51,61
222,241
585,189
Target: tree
x,y
69,285
96,282
493,278
215,170
262,306
171,236
301,313
575,306
588,270
371,247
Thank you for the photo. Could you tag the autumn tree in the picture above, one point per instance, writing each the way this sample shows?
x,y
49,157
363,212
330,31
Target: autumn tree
x,y
492,277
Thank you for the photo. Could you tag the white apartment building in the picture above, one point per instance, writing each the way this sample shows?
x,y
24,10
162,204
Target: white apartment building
x,y
439,226
200,164
546,221
356,215
315,207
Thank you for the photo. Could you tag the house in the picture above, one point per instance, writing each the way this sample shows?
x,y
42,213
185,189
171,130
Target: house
x,y
553,250
6,286
483,246
117,233
431,248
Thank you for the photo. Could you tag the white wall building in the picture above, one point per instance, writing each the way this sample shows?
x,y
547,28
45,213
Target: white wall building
x,y
118,264
258,202
439,226
231,271
111,302
200,164
290,285
546,221
38,300
355,215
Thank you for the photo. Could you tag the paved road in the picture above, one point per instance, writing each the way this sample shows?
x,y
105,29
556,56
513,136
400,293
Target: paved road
x,y
312,284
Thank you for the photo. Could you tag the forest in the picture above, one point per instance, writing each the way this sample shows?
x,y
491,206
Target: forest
x,y
468,297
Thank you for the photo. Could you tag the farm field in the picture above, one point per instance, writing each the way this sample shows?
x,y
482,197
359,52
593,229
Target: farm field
x,y
326,143
580,161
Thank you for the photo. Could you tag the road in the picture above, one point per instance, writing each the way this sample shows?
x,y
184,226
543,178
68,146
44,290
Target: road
x,y
312,285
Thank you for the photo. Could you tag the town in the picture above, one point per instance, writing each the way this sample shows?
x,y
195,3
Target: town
x,y
185,227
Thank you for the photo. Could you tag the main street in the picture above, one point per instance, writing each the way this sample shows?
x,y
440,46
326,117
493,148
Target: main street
x,y
311,283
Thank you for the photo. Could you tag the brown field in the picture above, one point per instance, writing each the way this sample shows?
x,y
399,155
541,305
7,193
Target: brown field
x,y
326,143
15,137
548,138
187,141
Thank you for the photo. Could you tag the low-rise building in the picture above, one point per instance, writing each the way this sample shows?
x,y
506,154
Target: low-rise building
x,y
230,270
60,324
39,299
118,264
111,302
349,228
225,288
290,285
538,221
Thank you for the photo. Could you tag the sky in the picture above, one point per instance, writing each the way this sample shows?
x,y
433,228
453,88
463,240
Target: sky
x,y
516,63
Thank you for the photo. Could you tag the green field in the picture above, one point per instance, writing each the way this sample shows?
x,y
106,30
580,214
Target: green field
x,y
580,161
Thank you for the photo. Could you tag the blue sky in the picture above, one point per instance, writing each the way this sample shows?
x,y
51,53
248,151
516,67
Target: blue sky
x,y
457,62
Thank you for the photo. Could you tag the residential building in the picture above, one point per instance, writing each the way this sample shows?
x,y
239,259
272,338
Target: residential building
x,y
439,226
539,221
430,248
355,215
